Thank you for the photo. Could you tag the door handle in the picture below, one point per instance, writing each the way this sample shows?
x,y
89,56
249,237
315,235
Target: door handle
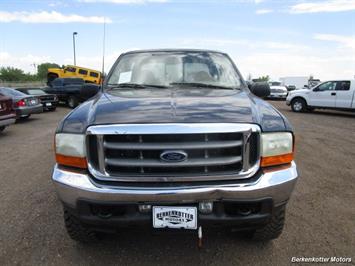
x,y
333,93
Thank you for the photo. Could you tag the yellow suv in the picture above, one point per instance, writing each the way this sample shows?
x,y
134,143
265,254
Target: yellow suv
x,y
88,75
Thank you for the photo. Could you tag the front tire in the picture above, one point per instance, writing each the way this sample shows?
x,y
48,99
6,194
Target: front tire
x,y
274,228
299,105
76,230
72,102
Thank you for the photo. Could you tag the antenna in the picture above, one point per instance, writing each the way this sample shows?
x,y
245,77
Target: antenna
x,y
103,54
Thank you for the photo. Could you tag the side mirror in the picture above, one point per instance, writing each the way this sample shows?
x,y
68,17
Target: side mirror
x,y
260,89
89,90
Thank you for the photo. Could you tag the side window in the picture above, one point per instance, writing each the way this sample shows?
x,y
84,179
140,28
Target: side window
x,y
327,86
343,86
94,74
83,72
70,69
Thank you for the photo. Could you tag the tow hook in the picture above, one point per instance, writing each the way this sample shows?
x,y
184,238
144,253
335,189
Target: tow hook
x,y
199,233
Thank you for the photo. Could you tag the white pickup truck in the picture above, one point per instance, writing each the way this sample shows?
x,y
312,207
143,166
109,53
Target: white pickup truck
x,y
335,94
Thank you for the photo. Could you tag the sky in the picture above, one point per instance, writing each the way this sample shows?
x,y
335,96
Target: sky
x,y
263,37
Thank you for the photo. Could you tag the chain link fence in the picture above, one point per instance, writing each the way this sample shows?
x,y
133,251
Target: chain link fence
x,y
29,84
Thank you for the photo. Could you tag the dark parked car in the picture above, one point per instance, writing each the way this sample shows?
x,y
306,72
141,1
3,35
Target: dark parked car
x,y
7,114
48,101
23,104
69,90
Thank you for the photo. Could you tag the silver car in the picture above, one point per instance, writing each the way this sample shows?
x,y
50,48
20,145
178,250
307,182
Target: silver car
x,y
23,104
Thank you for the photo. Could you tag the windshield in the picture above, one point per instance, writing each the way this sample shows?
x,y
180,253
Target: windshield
x,y
36,92
175,68
11,92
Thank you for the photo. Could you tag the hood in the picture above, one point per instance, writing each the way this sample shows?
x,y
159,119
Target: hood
x,y
174,106
300,91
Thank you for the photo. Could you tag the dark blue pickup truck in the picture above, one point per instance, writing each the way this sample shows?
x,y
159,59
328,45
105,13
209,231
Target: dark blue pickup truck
x,y
70,90
175,139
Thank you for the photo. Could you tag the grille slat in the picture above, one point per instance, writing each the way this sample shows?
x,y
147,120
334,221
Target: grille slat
x,y
158,163
169,146
137,157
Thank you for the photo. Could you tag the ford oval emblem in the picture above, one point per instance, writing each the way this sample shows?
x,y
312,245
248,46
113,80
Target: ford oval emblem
x,y
173,156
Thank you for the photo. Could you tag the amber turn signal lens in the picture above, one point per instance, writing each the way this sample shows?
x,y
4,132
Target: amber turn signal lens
x,y
276,160
71,161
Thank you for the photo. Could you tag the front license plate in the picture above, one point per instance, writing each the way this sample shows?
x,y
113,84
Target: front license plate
x,y
174,217
48,104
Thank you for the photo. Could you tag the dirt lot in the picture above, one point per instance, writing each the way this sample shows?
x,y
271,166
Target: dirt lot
x,y
320,219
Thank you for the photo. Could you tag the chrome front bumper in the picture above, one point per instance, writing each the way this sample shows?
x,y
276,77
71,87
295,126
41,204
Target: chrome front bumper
x,y
277,185
278,95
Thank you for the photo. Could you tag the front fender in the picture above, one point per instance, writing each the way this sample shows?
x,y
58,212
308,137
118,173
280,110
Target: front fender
x,y
296,95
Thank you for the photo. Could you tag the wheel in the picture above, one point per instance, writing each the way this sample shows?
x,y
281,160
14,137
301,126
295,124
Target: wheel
x,y
2,128
298,105
76,230
72,102
273,229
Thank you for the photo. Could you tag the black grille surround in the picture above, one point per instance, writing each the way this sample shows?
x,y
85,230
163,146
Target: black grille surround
x,y
135,155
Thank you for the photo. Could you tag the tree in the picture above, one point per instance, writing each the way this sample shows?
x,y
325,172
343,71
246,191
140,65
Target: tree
x,y
42,69
262,79
11,74
15,74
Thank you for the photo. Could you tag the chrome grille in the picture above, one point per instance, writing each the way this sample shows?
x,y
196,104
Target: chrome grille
x,y
47,98
277,90
133,152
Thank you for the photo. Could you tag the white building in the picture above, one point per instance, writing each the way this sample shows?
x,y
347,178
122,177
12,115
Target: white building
x,y
299,82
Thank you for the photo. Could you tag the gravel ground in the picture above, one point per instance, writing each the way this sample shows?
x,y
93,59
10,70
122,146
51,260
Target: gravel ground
x,y
320,218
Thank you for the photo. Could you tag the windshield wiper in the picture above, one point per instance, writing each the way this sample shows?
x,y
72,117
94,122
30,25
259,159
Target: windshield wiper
x,y
135,86
201,85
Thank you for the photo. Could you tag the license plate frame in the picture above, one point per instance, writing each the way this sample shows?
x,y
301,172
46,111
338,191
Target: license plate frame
x,y
175,217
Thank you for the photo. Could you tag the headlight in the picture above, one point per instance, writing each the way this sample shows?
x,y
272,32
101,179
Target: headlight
x,y
70,150
276,148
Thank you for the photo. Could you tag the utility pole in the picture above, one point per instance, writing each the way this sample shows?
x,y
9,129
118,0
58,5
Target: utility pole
x,y
34,66
74,34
